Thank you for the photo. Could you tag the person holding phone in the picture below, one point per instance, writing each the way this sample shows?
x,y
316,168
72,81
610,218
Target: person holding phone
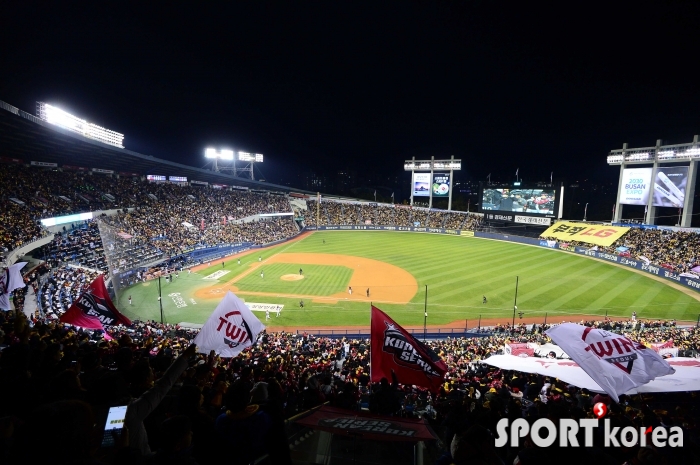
x,y
138,409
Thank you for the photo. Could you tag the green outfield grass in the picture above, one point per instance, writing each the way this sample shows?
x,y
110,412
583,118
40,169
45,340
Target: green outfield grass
x,y
457,271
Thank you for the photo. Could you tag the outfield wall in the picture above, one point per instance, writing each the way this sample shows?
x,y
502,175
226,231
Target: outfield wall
x,y
371,227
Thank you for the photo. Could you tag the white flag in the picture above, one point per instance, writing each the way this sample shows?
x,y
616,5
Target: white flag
x,y
615,362
230,329
10,279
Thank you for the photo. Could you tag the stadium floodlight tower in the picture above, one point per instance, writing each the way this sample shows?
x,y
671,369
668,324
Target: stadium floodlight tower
x,y
668,182
435,182
251,159
215,155
229,155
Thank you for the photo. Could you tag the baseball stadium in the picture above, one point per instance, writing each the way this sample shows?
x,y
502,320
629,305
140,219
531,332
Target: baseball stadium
x,y
170,241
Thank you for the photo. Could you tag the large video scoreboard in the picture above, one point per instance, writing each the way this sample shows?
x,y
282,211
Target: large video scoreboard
x,y
519,204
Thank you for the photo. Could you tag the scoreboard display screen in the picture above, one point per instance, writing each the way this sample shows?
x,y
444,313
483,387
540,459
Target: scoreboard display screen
x,y
510,200
177,179
155,177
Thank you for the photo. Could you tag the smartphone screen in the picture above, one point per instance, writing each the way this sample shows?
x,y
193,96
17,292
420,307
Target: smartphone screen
x,y
114,424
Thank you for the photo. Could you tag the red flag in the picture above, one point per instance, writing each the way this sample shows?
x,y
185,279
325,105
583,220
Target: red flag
x,y
94,308
394,349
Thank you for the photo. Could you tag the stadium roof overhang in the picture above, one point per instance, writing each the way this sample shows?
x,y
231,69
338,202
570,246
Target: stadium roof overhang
x,y
25,137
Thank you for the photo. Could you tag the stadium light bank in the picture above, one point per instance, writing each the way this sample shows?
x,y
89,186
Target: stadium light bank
x,y
230,155
65,120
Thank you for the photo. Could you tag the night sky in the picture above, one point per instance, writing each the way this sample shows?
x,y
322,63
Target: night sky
x,y
325,86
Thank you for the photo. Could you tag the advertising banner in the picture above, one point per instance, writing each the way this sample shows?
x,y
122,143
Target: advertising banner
x,y
44,163
588,233
533,220
441,185
636,185
421,184
499,217
669,186
257,307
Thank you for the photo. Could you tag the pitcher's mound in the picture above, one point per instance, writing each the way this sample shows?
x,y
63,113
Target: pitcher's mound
x,y
291,277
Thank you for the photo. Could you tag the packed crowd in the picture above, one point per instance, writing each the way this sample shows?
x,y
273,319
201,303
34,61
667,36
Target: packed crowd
x,y
28,194
80,246
61,287
61,380
180,217
342,213
673,250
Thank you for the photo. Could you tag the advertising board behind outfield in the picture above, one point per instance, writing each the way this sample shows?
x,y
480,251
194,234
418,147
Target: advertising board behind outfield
x,y
589,233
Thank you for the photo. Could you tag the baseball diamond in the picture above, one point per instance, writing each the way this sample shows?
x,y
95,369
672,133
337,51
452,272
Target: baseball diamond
x,y
398,268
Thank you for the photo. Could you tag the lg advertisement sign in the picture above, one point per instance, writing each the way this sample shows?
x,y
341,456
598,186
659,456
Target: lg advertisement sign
x,y
669,186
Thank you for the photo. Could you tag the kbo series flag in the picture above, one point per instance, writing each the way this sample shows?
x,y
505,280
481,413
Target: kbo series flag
x,y
615,362
94,309
230,329
394,349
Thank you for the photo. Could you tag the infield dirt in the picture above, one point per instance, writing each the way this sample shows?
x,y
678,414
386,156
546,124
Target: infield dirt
x,y
386,282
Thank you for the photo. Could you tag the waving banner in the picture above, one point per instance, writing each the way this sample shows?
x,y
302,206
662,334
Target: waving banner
x,y
94,308
230,329
616,363
394,349
590,233
686,378
10,279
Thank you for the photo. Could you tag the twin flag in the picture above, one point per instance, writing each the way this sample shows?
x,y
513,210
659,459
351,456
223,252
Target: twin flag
x,y
615,362
231,328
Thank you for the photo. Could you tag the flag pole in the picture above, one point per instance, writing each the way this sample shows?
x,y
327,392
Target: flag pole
x,y
160,301
370,341
515,302
425,314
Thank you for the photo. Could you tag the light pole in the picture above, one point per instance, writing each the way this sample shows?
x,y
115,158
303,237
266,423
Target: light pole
x,y
515,302
585,211
160,301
